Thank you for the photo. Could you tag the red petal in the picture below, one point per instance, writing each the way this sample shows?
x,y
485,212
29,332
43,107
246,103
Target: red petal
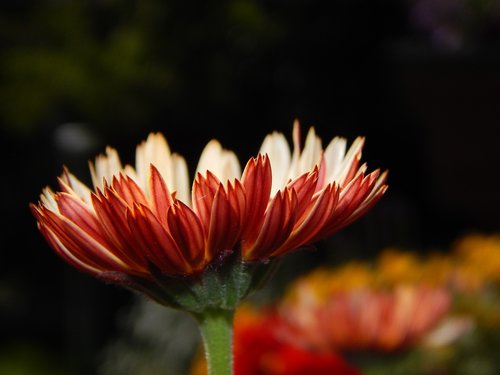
x,y
112,213
317,215
204,189
257,181
347,199
375,188
67,255
187,231
81,244
160,247
58,247
237,200
304,186
224,224
128,190
278,224
321,173
79,213
160,196
353,168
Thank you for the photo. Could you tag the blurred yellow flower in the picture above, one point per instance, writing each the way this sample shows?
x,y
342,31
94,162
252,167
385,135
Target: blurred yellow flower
x,y
477,258
322,282
395,266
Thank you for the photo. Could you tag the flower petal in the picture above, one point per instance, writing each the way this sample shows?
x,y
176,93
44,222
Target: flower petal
x,y
204,189
71,184
350,163
111,211
161,199
314,220
79,213
305,187
334,155
105,167
128,190
180,179
81,244
257,181
224,223
222,163
276,228
276,148
311,154
187,232
154,150
349,197
160,247
66,254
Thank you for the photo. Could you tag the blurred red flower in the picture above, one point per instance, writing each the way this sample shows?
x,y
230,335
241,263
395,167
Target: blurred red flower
x,y
259,350
363,319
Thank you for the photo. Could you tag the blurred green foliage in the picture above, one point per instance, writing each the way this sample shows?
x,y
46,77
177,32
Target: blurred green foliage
x,y
29,359
473,354
113,62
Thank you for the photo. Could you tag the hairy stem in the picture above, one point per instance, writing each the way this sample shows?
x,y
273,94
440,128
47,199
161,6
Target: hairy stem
x,y
216,328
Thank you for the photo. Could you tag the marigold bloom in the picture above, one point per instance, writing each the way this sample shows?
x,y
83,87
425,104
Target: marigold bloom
x,y
139,222
363,318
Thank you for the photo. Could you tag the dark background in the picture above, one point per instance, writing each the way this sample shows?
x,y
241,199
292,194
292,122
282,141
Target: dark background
x,y
420,79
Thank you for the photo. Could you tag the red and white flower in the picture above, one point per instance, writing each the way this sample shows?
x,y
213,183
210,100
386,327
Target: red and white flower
x,y
136,217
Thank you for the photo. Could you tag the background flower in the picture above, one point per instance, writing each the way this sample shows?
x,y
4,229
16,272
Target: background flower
x,y
259,350
362,318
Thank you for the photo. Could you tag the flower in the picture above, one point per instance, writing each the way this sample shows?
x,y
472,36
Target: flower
x,y
259,350
395,267
477,262
139,222
361,318
201,249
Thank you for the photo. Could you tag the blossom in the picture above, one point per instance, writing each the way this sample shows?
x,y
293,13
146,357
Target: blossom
x,y
139,223
477,262
395,266
259,350
361,318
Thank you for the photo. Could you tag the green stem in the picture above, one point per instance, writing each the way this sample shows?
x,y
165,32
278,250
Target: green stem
x,y
216,328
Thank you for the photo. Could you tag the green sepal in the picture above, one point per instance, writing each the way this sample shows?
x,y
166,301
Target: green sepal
x,y
221,285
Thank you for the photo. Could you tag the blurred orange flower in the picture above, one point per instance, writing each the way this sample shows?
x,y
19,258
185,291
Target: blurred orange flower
x,y
363,318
